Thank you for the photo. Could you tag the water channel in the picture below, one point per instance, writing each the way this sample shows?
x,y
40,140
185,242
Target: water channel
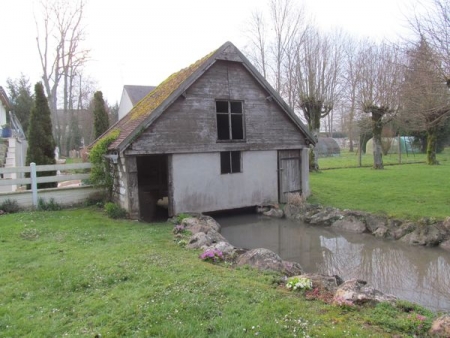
x,y
417,274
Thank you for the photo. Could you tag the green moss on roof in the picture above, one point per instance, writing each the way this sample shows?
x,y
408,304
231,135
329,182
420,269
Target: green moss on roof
x,y
157,96
106,139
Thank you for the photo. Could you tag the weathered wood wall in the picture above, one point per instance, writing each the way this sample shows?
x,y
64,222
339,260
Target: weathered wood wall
x,y
189,125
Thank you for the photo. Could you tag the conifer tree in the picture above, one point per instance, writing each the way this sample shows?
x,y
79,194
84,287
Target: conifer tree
x,y
101,121
41,149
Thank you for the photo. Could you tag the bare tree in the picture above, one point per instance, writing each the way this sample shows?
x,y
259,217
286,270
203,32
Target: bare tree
x,y
59,41
353,62
432,22
272,40
318,73
425,96
381,77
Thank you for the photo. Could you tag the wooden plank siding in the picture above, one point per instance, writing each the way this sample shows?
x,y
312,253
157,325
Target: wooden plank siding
x,y
189,124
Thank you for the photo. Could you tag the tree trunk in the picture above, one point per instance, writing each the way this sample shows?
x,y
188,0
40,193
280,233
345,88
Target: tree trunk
x,y
377,146
313,155
431,146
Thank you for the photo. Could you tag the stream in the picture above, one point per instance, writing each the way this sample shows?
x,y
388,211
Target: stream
x,y
417,274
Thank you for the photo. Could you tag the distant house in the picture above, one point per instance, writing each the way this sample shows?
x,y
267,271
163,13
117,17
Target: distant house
x,y
213,136
13,143
5,107
131,95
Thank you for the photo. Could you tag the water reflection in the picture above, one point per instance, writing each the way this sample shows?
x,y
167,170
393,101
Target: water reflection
x,y
417,274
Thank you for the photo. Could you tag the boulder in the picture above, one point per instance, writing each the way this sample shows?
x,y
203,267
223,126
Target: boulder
x,y
355,291
326,216
201,224
445,245
264,259
223,246
403,230
351,224
292,211
291,268
382,232
427,235
441,327
446,224
274,212
329,283
373,222
216,237
199,240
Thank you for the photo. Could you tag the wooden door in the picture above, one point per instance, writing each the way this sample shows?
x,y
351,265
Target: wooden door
x,y
289,173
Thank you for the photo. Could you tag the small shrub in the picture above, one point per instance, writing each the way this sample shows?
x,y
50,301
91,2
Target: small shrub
x,y
51,205
181,217
10,206
182,243
296,199
299,283
212,256
115,211
96,198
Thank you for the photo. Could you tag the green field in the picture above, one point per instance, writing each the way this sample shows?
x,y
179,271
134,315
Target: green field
x,y
78,273
351,160
406,191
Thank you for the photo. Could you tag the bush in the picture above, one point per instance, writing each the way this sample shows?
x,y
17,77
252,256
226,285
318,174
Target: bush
x,y
51,205
10,206
96,198
115,211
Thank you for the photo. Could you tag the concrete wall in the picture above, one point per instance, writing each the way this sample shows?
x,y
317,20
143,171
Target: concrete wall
x,y
64,196
198,185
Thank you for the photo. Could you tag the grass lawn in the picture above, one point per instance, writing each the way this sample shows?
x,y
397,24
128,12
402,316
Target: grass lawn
x,y
351,160
79,273
406,191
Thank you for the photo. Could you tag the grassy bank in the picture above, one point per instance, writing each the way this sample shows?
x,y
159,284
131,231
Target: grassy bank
x,y
78,273
408,191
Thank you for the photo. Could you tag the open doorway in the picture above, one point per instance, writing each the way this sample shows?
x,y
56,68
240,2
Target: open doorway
x,y
153,187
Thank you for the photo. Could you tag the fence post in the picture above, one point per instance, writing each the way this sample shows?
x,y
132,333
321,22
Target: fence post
x,y
34,184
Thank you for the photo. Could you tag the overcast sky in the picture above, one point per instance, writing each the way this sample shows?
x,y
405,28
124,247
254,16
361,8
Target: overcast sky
x,y
141,42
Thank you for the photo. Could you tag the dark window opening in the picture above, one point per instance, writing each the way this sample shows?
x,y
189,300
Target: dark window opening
x,y
230,120
230,162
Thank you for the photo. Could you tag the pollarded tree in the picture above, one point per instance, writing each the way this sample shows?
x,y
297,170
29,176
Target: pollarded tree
x,y
381,77
318,73
41,149
101,120
425,95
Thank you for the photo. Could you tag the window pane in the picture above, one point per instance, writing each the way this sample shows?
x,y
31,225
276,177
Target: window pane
x,y
225,165
223,127
237,130
236,107
221,106
235,161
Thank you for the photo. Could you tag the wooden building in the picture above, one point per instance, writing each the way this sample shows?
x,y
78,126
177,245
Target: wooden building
x,y
213,136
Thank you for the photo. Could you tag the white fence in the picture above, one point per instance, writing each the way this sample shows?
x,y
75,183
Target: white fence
x,y
70,190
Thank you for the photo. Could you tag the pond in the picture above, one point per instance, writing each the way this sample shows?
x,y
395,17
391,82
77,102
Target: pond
x,y
417,274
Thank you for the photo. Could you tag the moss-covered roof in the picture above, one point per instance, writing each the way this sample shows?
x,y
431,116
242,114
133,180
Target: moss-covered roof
x,y
154,103
135,119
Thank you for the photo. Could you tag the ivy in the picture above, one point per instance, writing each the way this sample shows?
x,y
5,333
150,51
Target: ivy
x,y
101,174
